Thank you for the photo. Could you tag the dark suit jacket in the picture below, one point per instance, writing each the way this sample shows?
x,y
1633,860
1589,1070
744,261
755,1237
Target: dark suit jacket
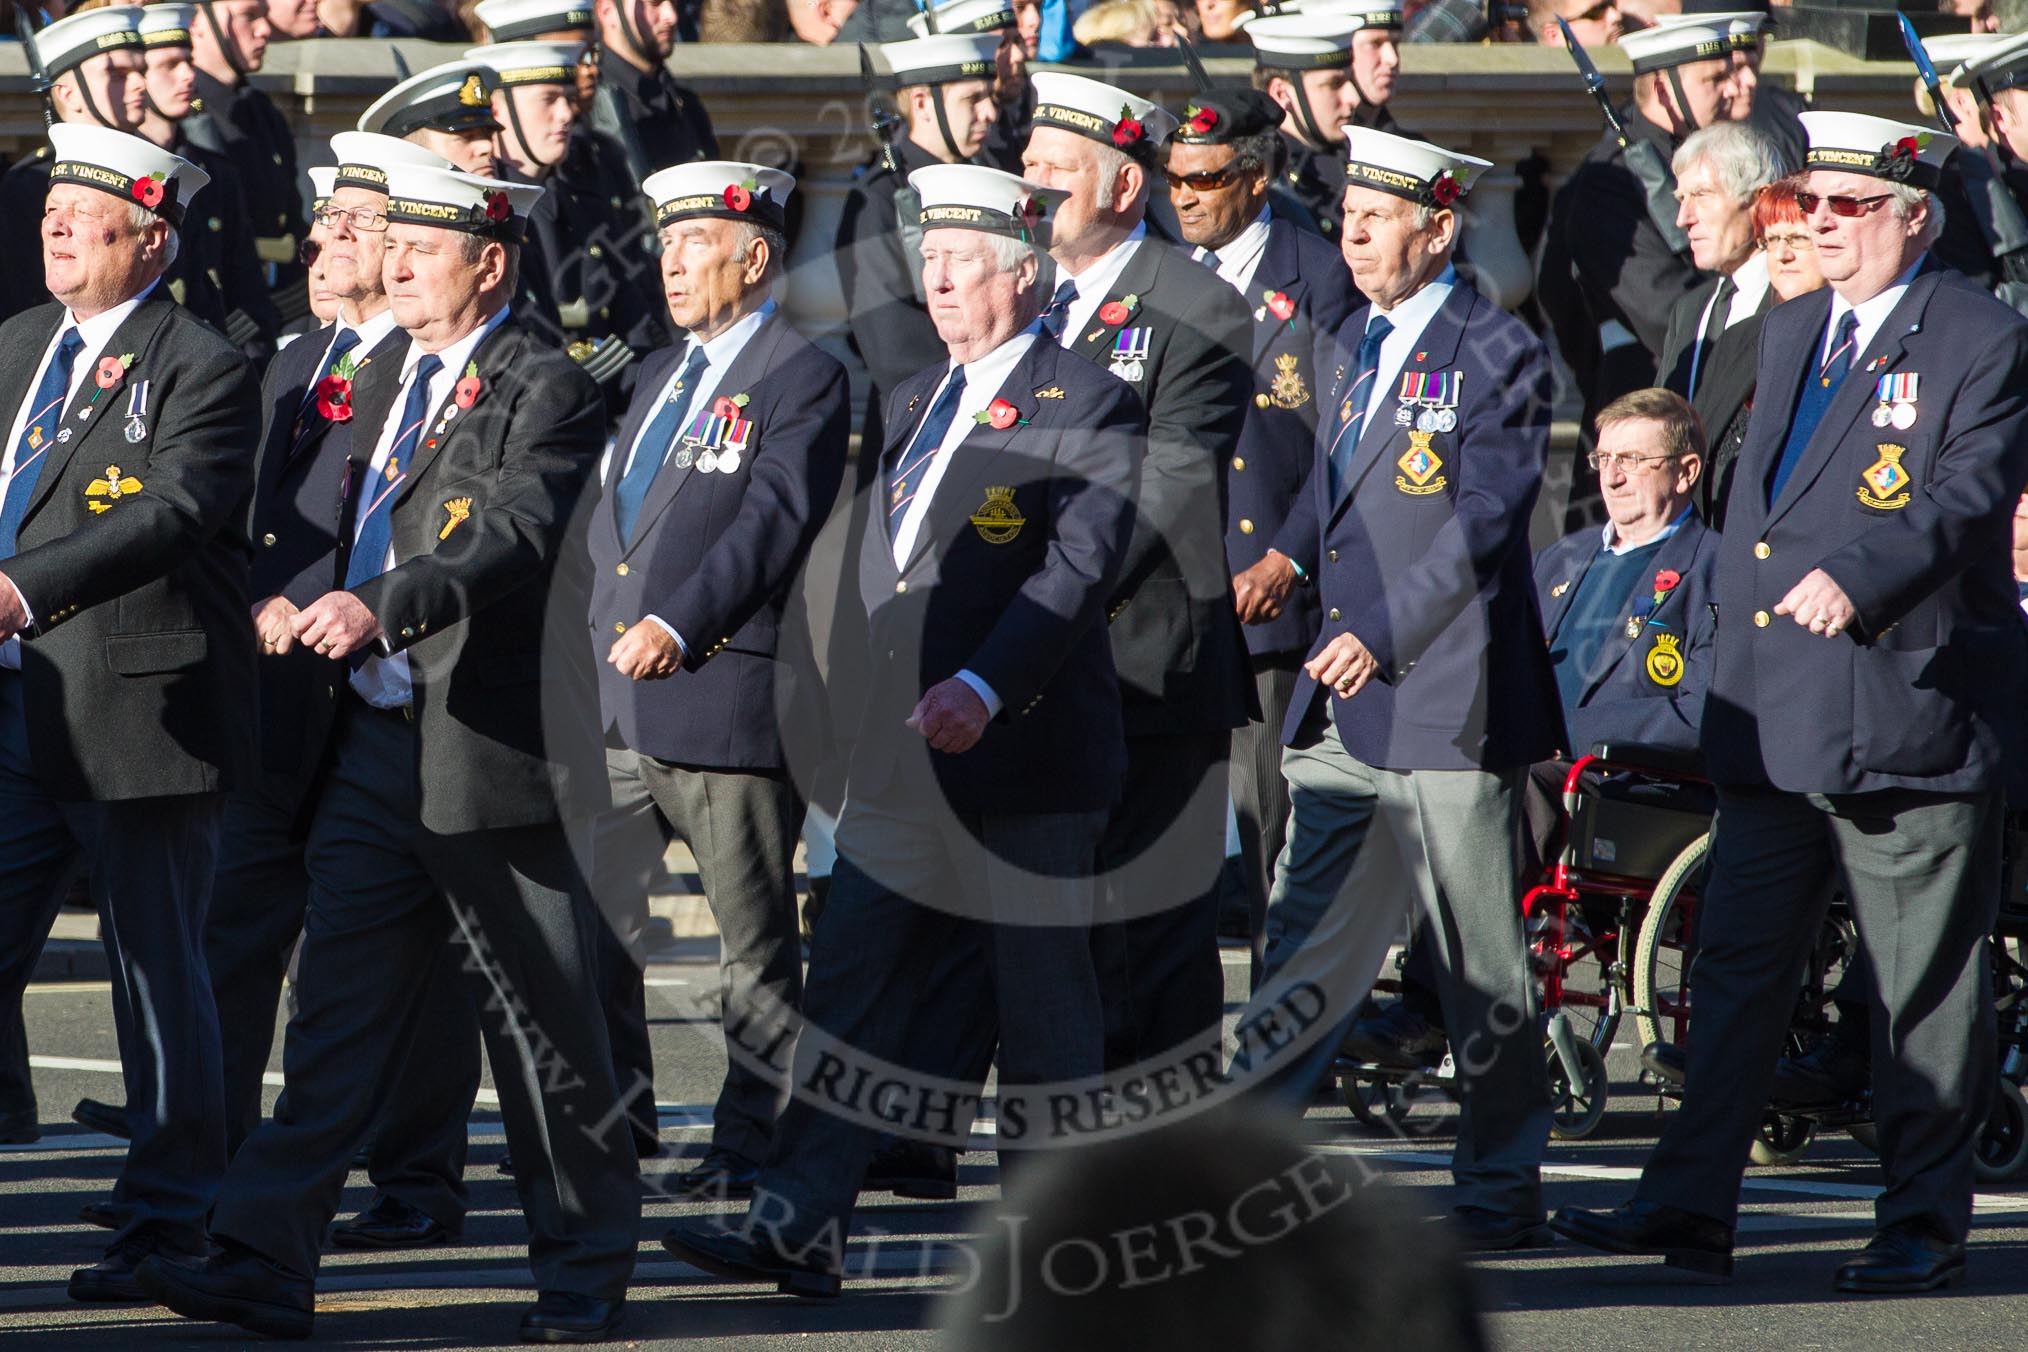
x,y
717,556
1724,385
1024,611
1434,577
1648,689
139,674
1176,640
490,606
1919,693
298,494
1273,463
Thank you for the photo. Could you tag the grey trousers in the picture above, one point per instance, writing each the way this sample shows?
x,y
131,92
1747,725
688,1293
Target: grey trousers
x,y
1260,795
1924,877
1360,841
742,827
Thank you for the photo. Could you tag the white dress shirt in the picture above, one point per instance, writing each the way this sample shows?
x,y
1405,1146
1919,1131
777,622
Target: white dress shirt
x,y
1094,284
95,333
1872,314
1409,318
1610,542
1750,283
1239,259
370,333
383,680
984,378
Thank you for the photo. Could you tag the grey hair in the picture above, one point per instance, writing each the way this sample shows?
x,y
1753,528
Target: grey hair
x,y
1743,158
1008,253
471,247
778,247
143,218
1111,160
1903,199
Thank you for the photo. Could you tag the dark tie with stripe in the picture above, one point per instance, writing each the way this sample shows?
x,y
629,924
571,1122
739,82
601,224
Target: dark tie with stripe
x,y
37,435
376,495
1058,313
653,447
1818,392
922,449
1350,428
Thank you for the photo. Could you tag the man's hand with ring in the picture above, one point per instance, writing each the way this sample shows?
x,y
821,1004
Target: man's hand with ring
x,y
336,624
1345,665
1819,604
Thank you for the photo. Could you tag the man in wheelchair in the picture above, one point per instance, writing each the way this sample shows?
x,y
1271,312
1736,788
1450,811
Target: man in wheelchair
x,y
1628,617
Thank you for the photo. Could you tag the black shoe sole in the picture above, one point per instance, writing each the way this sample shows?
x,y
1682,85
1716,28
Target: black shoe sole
x,y
542,1333
270,1321
361,1239
918,1189
809,1285
1859,1287
1534,1237
99,1292
708,1192
1700,1263
99,1214
92,1120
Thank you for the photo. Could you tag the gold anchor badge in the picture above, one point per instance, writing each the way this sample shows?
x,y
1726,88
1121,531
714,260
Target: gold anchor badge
x,y
112,484
1888,480
471,93
1288,390
1420,463
1665,664
998,521
460,509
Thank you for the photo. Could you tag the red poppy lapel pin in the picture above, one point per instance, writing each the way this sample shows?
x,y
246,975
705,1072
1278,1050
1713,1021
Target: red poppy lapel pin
x,y
1000,415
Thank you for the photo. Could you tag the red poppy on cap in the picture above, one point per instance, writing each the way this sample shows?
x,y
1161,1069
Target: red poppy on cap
x,y
496,206
738,198
148,191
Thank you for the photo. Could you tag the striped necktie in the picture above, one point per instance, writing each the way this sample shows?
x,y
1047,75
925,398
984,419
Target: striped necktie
x,y
1352,421
38,434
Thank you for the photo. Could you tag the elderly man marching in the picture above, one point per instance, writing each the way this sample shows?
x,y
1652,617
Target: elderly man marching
x,y
1429,692
1869,661
126,662
724,470
463,746
1005,509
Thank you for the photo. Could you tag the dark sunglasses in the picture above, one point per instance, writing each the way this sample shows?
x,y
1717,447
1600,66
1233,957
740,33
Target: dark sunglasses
x,y
1847,207
1211,182
308,250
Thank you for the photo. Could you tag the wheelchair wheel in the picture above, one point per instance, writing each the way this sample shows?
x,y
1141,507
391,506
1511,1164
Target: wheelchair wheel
x,y
1782,1139
2002,1148
1374,1102
1662,954
1576,1109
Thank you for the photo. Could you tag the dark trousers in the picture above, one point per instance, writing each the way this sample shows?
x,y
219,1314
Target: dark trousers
x,y
148,863
258,903
377,924
742,828
1260,796
1157,948
909,885
17,1084
1924,877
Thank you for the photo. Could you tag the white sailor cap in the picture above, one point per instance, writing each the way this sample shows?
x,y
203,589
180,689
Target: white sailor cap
x,y
2002,65
730,190
1953,53
1360,13
70,42
130,168
1703,37
364,158
942,59
165,25
1858,143
1302,41
1744,28
323,182
965,16
1100,112
421,194
974,197
529,63
512,20
1425,174
456,96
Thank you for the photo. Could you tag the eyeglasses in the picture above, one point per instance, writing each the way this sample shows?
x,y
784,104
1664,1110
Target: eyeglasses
x,y
1627,464
1784,243
1847,207
1210,182
361,219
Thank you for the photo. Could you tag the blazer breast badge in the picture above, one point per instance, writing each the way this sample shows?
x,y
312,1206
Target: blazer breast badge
x,y
102,492
1885,484
1420,466
1287,390
998,520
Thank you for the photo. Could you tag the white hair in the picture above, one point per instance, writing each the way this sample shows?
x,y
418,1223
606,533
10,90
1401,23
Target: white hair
x,y
1903,199
1008,253
1111,160
142,218
1742,158
778,249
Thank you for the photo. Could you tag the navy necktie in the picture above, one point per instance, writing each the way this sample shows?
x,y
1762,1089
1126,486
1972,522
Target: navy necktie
x,y
653,447
922,448
306,420
1819,390
376,495
1346,444
1058,313
37,435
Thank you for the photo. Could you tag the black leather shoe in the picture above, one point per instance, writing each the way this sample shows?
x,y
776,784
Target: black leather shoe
x,y
20,1128
390,1223
1682,1239
570,1317
1398,1037
1835,1070
1901,1260
234,1285
102,1214
719,1174
1479,1230
109,1118
915,1169
725,1253
110,1281
1666,1061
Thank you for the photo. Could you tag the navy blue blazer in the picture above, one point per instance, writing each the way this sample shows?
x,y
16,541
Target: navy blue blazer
x,y
1426,560
299,486
1912,523
1647,688
1273,462
1020,548
718,555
